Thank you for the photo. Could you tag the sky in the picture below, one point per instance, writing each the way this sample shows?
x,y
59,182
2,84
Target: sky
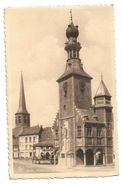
x,y
35,40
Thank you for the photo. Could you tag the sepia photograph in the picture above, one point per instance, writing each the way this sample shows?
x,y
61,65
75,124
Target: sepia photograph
x,y
61,91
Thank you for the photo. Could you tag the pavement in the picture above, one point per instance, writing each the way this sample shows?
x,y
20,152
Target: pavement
x,y
27,167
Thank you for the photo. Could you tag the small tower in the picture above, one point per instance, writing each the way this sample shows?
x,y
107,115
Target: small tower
x,y
22,117
102,103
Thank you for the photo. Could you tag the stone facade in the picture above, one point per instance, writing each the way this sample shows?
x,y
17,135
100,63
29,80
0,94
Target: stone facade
x,y
84,131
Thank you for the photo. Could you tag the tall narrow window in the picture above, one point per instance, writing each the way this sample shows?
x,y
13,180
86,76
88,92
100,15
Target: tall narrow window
x,y
98,132
79,131
89,131
25,139
74,54
19,119
70,53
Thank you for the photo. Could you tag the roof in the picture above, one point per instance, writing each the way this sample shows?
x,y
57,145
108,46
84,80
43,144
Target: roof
x,y
102,90
17,131
44,143
89,113
74,71
47,133
34,130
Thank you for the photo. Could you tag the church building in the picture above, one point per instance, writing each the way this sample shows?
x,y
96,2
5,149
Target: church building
x,y
83,131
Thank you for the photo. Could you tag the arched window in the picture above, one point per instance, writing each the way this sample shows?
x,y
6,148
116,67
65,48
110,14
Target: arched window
x,y
74,54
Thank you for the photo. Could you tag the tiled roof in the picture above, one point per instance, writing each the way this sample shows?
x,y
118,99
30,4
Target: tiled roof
x,y
102,90
46,133
17,131
31,130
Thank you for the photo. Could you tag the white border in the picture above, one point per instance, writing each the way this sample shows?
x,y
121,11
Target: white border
x,y
119,63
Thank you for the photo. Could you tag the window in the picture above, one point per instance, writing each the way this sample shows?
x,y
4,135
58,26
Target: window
x,y
89,141
109,129
98,132
70,54
65,86
30,139
74,54
77,54
64,107
19,119
26,147
30,146
62,155
25,139
79,131
99,141
33,139
56,133
89,131
109,141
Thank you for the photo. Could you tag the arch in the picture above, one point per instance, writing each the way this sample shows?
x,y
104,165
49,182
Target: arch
x,y
47,156
99,157
79,157
89,157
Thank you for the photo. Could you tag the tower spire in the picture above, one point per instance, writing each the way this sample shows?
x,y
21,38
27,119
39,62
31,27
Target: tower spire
x,y
71,17
22,102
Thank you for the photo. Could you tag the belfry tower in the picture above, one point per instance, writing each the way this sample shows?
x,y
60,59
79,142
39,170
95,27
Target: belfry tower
x,y
74,92
22,117
75,83
84,131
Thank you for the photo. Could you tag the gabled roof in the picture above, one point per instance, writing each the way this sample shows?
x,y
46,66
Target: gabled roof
x,y
102,90
35,130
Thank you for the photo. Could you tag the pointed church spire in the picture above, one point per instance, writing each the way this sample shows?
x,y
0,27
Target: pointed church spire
x,y
22,103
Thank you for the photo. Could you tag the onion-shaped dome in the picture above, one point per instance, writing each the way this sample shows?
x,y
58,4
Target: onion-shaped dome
x,y
72,31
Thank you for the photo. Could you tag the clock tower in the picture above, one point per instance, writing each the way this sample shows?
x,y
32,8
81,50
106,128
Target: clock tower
x,y
75,83
74,92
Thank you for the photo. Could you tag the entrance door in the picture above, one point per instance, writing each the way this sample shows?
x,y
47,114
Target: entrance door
x,y
89,157
99,157
79,157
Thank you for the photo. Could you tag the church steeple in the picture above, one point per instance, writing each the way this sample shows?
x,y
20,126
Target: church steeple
x,y
22,103
22,117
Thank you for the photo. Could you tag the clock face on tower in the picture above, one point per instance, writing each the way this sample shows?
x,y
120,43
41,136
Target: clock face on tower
x,y
82,86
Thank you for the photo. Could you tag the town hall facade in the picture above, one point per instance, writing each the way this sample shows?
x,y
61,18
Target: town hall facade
x,y
85,130
82,133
